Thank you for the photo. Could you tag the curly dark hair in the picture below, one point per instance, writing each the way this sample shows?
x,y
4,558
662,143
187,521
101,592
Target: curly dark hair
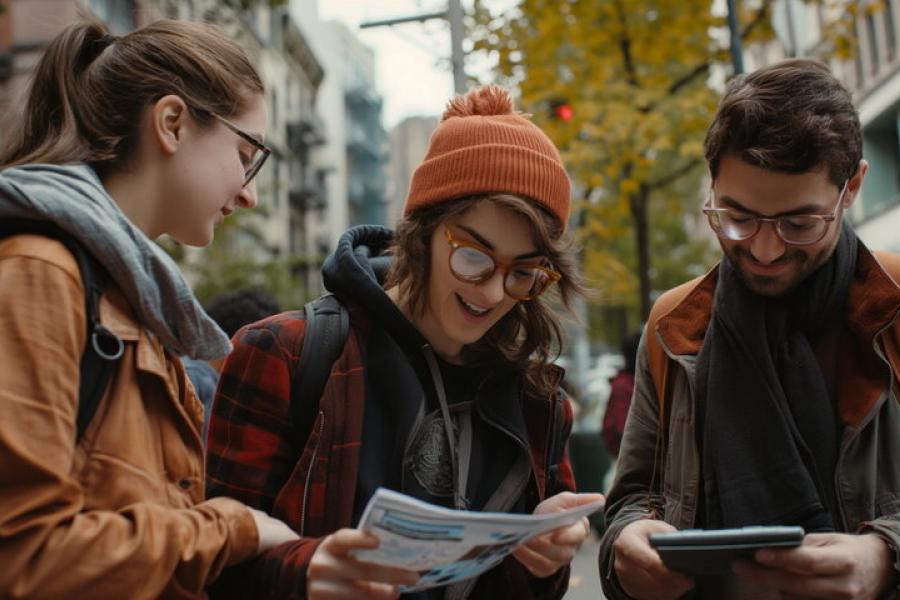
x,y
530,335
232,310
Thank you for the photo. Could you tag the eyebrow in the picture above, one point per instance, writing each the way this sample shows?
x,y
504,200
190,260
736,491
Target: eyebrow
x,y
481,240
806,209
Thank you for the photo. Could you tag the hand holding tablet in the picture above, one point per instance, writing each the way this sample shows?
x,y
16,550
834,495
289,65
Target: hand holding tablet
x,y
711,552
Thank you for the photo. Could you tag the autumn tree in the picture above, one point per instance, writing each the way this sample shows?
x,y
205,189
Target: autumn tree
x,y
637,74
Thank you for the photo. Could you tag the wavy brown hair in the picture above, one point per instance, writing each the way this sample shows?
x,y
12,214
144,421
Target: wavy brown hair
x,y
90,90
791,117
530,335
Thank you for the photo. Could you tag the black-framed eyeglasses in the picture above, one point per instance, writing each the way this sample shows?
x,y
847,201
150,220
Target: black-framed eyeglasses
x,y
261,152
472,263
796,230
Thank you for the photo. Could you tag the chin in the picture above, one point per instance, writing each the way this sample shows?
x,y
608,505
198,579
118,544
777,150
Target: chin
x,y
195,239
767,287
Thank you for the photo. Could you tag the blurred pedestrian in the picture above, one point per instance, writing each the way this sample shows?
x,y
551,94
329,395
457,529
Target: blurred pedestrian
x,y
445,389
765,391
621,387
123,139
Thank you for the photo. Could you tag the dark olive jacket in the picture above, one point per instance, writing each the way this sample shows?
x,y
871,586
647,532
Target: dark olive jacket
x,y
659,461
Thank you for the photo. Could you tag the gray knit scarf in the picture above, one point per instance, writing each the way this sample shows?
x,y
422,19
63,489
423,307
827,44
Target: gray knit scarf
x,y
73,198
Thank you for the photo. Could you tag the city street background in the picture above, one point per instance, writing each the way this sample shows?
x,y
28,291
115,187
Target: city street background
x,y
584,583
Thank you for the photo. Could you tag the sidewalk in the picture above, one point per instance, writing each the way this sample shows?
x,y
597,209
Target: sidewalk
x,y
584,583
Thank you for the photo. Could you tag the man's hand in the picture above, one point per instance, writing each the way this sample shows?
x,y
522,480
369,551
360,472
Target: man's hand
x,y
545,554
826,565
333,573
640,570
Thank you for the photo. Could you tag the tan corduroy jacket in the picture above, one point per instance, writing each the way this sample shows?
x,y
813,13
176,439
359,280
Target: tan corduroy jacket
x,y
122,514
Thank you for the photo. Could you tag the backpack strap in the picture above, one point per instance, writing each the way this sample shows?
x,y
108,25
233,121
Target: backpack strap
x,y
102,348
890,262
327,328
556,448
657,359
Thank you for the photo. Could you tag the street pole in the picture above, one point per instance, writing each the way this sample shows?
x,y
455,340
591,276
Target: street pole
x,y
454,15
737,55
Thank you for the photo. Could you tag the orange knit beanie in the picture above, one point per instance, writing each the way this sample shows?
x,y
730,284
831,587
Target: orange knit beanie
x,y
482,146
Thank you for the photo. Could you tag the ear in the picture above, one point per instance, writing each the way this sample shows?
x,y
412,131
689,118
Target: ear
x,y
168,117
854,185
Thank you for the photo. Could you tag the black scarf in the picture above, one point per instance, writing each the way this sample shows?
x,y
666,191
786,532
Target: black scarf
x,y
769,435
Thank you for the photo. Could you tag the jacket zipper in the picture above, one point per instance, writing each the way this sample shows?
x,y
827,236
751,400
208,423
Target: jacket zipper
x,y
312,464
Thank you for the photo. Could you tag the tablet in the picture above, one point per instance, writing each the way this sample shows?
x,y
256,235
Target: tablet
x,y
711,551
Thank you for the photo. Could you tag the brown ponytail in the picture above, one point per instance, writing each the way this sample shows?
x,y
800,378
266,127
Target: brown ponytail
x,y
90,90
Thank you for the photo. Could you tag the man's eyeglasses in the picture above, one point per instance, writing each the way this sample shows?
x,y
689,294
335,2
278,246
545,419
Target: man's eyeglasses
x,y
796,230
261,152
472,263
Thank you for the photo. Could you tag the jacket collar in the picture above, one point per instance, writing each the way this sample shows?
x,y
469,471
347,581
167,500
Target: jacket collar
x,y
873,303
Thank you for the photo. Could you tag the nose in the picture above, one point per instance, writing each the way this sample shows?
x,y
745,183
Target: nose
x,y
767,246
492,289
246,198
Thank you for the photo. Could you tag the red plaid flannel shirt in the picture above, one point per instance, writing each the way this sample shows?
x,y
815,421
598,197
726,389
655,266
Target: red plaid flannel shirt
x,y
308,478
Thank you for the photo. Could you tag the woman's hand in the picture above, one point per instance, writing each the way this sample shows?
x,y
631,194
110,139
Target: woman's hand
x,y
546,554
333,573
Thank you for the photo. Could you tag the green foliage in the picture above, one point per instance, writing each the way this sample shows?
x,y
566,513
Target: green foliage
x,y
240,258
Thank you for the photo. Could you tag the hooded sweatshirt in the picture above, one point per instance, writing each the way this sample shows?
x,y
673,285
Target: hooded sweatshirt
x,y
73,198
404,441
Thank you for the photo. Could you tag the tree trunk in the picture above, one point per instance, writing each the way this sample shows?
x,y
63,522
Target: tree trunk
x,y
638,203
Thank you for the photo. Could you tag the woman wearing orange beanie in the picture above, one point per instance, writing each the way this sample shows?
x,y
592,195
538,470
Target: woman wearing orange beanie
x,y
444,389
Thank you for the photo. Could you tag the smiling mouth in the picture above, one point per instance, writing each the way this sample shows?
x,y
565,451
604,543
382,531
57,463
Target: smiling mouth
x,y
471,309
772,268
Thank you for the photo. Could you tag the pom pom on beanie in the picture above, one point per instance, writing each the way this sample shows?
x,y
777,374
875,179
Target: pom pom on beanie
x,y
483,146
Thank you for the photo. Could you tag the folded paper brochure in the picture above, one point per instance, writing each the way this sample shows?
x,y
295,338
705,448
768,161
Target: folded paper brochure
x,y
444,545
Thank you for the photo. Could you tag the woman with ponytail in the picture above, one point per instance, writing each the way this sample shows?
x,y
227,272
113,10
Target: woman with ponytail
x,y
444,390
122,140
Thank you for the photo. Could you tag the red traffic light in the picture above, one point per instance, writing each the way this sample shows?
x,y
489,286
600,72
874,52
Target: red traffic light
x,y
564,112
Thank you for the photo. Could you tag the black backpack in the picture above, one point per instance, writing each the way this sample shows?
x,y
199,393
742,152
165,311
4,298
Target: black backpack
x,y
102,348
327,328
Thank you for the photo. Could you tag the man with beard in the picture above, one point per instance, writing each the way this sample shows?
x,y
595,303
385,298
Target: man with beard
x,y
766,390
